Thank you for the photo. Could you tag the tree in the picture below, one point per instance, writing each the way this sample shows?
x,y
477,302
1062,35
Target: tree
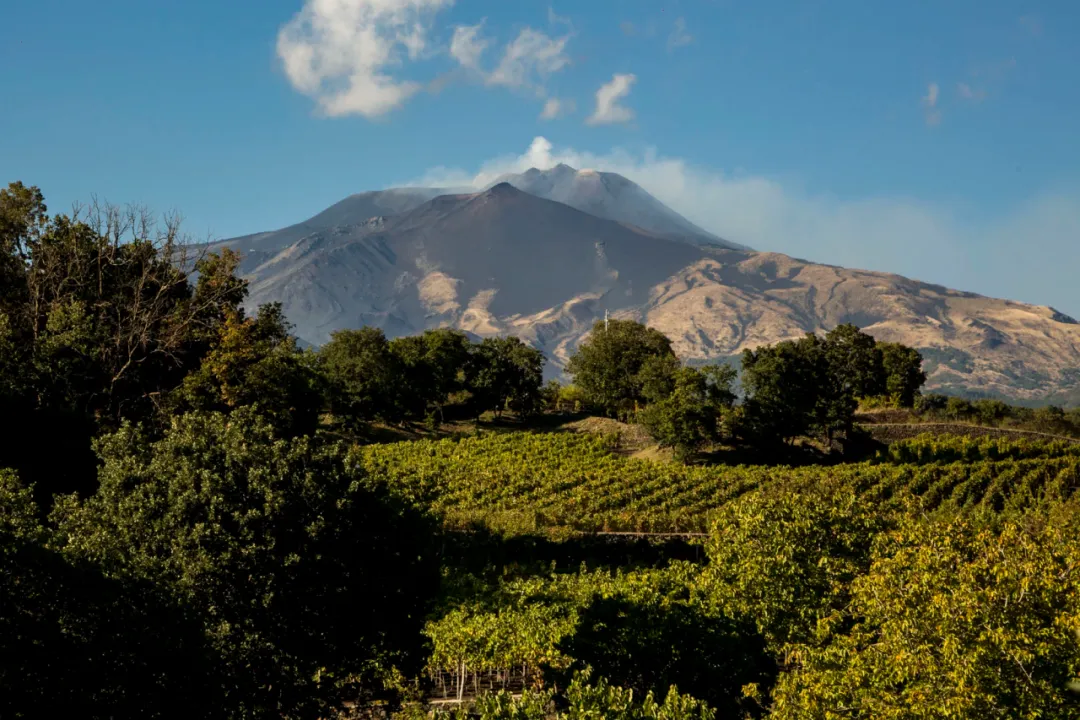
x,y
658,377
783,557
959,409
435,364
256,363
77,643
954,619
100,322
856,360
783,385
904,375
309,580
990,411
505,373
364,377
608,365
690,415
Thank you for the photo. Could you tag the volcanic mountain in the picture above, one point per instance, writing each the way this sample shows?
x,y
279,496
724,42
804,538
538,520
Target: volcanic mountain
x,y
544,254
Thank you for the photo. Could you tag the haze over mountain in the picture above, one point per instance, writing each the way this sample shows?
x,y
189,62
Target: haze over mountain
x,y
544,254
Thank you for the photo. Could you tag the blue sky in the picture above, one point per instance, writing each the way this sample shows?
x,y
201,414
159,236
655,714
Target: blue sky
x,y
934,139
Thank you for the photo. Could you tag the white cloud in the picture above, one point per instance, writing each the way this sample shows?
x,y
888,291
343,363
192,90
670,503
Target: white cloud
x,y
930,103
1028,252
339,52
608,110
467,46
529,59
556,107
679,37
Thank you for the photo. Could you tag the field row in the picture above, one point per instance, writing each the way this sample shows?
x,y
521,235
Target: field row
x,y
526,481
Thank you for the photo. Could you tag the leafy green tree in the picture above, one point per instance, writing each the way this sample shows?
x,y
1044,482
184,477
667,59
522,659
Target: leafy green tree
x,y
904,376
309,580
435,364
658,377
990,412
959,409
689,416
76,643
100,322
364,376
930,404
505,373
256,363
1051,419
952,620
608,366
783,385
783,557
856,360
572,398
550,395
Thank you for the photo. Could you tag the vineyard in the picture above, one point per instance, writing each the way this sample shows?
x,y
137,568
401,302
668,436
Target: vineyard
x,y
527,481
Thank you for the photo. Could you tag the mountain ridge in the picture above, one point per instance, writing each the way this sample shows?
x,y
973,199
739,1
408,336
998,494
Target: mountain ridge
x,y
505,261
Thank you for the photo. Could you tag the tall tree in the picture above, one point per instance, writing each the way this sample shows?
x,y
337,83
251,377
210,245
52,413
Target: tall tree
x,y
904,376
102,321
856,360
255,362
363,375
506,374
783,385
435,363
608,366
690,415
310,581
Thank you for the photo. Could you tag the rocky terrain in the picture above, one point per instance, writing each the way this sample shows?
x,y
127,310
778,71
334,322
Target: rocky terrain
x,y
544,254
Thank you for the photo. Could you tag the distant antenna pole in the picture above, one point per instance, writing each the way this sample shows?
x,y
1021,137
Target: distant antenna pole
x,y
605,321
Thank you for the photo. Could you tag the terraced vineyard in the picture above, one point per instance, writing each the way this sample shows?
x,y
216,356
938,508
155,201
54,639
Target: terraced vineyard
x,y
528,481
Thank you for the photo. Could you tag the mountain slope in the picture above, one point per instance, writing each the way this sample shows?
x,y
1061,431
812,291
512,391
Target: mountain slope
x,y
466,260
506,261
971,344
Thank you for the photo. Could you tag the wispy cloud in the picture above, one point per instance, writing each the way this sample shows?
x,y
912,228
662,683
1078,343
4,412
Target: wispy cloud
x,y
679,37
930,104
608,110
467,45
627,28
967,92
556,107
341,53
529,59
926,240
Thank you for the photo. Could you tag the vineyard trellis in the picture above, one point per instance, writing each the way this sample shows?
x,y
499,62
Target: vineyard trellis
x,y
531,481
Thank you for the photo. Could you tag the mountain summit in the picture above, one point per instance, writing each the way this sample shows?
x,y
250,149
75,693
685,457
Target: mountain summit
x,y
545,253
613,197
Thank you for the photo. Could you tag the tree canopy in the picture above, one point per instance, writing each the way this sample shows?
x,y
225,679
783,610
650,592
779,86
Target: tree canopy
x,y
612,367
